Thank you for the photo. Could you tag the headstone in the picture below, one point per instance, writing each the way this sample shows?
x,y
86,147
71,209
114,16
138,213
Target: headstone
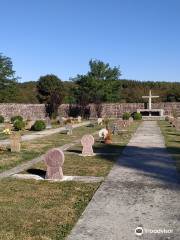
x,y
87,142
131,119
29,124
54,160
48,123
61,120
100,121
69,128
114,129
79,119
15,142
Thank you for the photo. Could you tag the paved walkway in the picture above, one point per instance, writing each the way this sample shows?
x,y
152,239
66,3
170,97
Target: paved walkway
x,y
142,189
40,134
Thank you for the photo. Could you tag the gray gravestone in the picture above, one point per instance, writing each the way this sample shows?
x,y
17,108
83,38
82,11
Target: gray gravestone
x,y
54,160
48,123
69,128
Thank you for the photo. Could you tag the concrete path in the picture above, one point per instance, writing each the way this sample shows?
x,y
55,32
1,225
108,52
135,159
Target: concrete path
x,y
142,190
40,134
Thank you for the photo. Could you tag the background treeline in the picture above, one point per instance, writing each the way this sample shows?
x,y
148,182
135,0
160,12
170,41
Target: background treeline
x,y
102,83
129,91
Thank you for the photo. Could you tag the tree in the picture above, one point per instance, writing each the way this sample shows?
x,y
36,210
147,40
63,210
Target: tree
x,y
50,91
9,91
100,84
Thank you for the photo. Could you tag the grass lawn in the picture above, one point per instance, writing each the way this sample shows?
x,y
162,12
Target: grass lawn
x,y
35,148
172,141
33,210
42,210
99,165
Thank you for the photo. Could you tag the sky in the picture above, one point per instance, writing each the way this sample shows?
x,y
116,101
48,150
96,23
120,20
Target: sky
x,y
61,36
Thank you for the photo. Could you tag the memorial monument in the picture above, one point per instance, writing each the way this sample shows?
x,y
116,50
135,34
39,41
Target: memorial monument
x,y
149,113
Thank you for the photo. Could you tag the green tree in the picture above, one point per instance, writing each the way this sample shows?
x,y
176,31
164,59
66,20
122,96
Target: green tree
x,y
51,92
9,91
100,84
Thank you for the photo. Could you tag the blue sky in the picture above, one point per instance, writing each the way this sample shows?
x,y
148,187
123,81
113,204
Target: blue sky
x,y
61,36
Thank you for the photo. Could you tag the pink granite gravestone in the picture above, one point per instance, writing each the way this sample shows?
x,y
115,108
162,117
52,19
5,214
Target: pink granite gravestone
x,y
87,142
54,160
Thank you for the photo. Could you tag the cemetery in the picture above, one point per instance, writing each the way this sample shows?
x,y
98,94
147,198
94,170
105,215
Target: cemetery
x,y
90,120
66,167
82,176
56,169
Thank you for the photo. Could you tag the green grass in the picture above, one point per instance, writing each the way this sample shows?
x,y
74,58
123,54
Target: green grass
x,y
172,141
35,148
33,210
98,165
42,210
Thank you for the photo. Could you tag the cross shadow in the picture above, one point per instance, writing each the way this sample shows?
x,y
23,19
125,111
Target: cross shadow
x,y
151,162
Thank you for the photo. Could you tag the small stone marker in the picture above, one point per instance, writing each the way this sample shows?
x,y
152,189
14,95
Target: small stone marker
x,y
100,121
131,120
48,123
15,142
54,160
114,129
87,142
61,120
29,124
79,119
69,129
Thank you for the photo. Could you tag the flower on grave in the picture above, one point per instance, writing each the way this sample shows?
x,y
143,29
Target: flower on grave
x,y
7,131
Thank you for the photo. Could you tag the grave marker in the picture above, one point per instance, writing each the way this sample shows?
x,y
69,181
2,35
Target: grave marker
x,y
48,123
79,119
69,128
29,124
100,121
87,142
15,142
54,160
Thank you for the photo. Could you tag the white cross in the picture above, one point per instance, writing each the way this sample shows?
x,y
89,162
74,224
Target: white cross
x,y
150,98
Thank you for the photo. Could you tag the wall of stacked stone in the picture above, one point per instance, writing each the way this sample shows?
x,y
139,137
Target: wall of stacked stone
x,y
169,107
37,111
27,111
108,109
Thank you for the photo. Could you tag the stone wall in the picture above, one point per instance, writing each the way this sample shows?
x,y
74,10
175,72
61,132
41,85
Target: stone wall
x,y
117,109
169,107
31,111
37,111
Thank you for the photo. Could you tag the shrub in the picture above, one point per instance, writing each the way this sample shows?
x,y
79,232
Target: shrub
x,y
39,125
18,125
14,118
1,119
137,116
126,116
